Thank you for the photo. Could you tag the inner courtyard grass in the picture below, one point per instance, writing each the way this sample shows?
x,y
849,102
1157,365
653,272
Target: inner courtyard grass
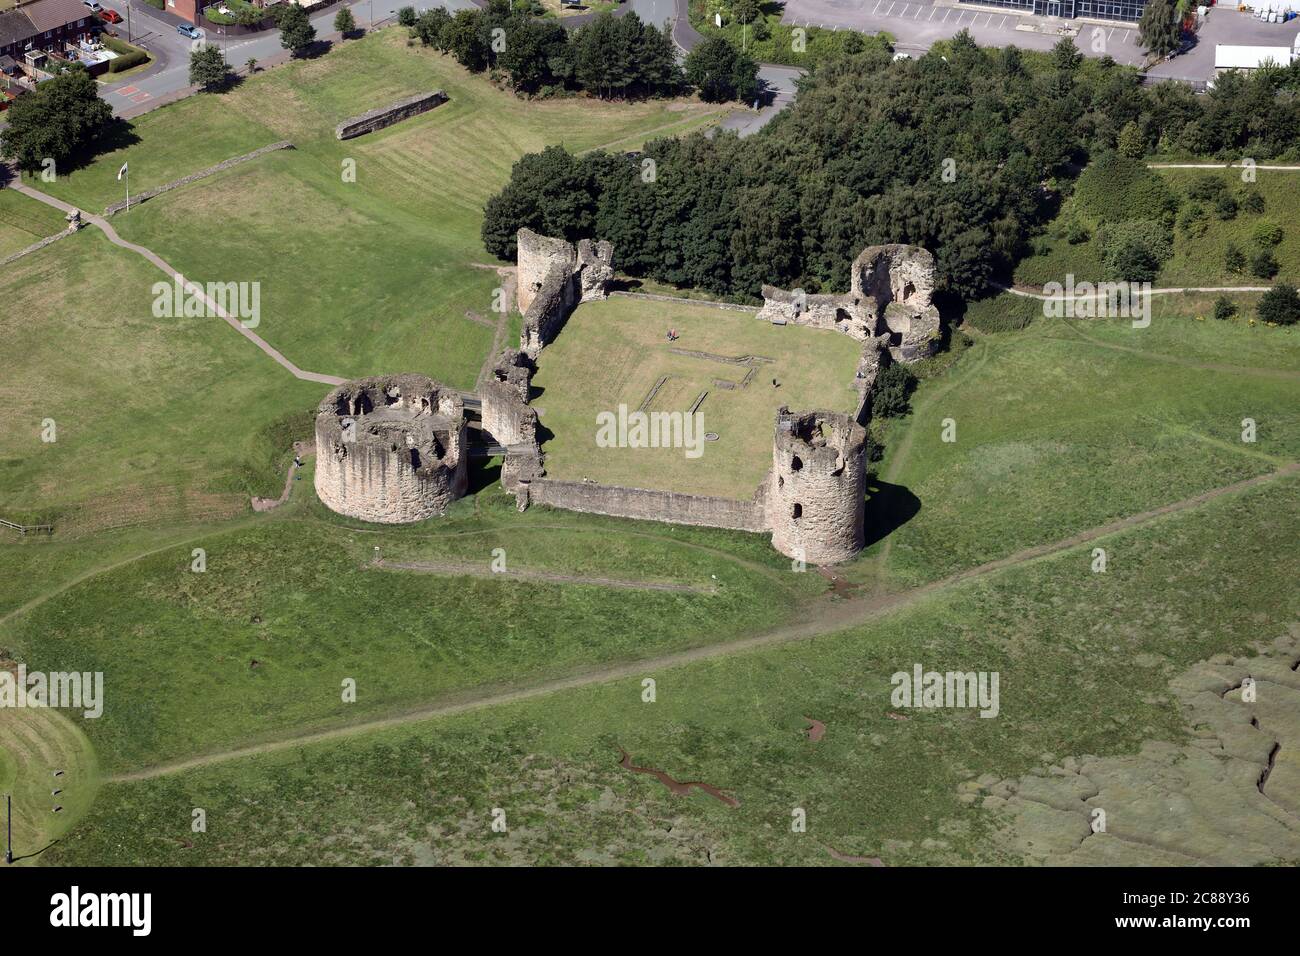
x,y
612,353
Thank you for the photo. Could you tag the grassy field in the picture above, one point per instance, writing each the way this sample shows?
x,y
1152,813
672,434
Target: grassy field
x,y
1196,260
181,418
614,352
165,426
1084,661
1064,427
365,276
286,609
24,221
157,419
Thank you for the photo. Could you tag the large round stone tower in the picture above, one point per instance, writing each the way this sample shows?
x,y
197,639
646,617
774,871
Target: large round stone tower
x,y
819,480
391,448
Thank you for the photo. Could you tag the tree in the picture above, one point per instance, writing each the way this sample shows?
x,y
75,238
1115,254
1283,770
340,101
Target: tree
x,y
296,32
890,396
59,120
429,26
721,72
1224,309
1234,260
1280,305
1263,264
344,21
208,68
1161,28
1134,251
252,65
1131,141
406,16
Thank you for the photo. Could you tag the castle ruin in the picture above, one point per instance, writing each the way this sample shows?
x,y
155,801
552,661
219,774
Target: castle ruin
x,y
391,448
818,486
553,277
394,448
890,292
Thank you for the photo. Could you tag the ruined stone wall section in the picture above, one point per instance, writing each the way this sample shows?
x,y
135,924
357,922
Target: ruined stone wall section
x,y
649,505
891,293
816,498
547,288
595,269
505,416
147,194
835,313
386,116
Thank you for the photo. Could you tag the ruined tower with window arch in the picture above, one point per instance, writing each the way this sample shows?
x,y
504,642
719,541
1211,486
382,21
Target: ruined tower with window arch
x,y
817,489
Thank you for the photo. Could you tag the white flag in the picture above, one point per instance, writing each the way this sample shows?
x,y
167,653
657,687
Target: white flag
x,y
122,172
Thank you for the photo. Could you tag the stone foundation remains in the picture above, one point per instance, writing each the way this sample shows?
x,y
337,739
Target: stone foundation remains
x,y
386,116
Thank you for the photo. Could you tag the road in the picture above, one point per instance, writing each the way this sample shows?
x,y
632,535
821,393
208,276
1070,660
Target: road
x,y
168,78
156,32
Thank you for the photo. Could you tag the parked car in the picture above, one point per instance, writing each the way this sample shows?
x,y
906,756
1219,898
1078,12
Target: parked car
x,y
110,16
94,6
186,30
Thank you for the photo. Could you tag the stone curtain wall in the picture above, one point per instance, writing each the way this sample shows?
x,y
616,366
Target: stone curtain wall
x,y
649,505
386,116
193,177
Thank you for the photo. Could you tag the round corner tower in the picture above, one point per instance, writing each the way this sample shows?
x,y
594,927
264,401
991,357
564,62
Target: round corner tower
x,y
818,486
391,448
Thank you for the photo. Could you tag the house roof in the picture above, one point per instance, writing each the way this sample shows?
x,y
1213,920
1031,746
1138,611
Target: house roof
x,y
1249,57
15,27
52,14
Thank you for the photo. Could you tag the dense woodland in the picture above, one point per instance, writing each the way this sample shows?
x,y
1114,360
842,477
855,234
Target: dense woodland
x,y
966,151
609,57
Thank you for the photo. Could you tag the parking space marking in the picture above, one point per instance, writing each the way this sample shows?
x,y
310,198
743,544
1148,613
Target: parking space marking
x,y
877,7
918,12
933,11
891,9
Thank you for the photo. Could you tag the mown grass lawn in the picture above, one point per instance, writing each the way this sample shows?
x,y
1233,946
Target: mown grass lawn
x,y
24,221
260,642
366,273
110,408
613,353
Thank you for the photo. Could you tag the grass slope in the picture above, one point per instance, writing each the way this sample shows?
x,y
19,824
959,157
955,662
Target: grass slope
x,y
1084,661
365,275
